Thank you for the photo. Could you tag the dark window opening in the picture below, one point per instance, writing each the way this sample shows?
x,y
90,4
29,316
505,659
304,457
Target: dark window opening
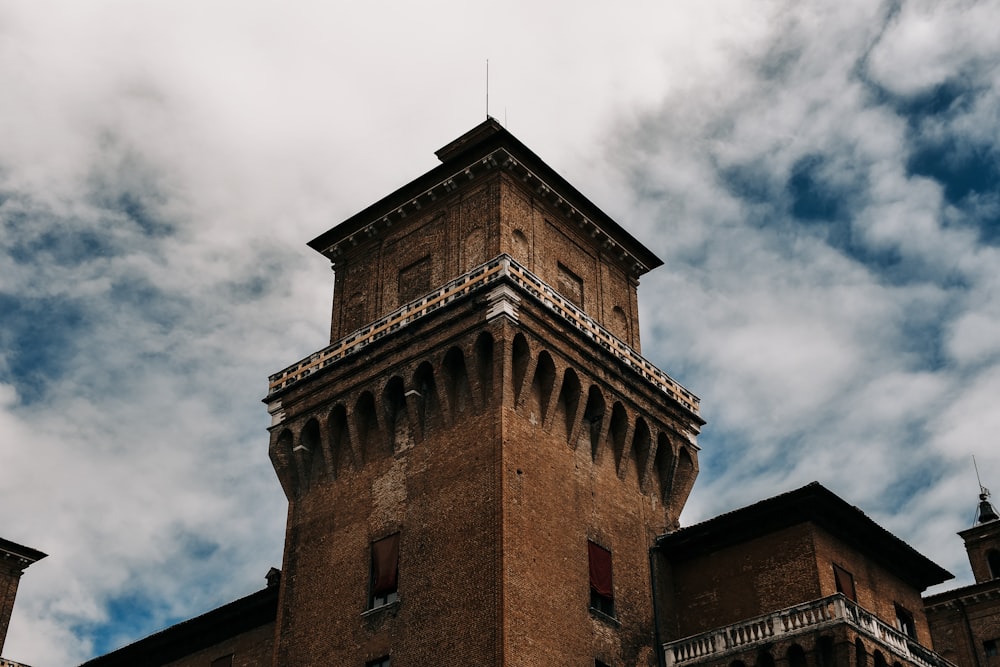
x,y
993,559
384,572
845,582
990,647
380,662
598,663
602,596
905,623
224,661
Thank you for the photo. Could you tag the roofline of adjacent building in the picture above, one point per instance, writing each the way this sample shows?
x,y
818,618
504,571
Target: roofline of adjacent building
x,y
21,552
195,634
812,503
971,593
473,148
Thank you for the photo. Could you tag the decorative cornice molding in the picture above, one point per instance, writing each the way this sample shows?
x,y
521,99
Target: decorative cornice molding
x,y
501,268
502,159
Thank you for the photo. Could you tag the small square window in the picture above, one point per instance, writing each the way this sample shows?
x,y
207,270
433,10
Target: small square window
x,y
845,582
382,585
602,592
991,649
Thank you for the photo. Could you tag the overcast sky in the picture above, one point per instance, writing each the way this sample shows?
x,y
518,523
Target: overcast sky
x,y
820,179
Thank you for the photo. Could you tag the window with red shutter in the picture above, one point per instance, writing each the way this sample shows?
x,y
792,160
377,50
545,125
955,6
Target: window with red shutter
x,y
602,594
384,571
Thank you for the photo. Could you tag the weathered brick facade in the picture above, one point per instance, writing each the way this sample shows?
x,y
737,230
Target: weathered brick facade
x,y
965,622
481,469
798,579
496,429
14,559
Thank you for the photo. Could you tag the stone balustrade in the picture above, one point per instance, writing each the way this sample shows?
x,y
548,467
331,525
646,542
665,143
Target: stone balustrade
x,y
786,623
499,268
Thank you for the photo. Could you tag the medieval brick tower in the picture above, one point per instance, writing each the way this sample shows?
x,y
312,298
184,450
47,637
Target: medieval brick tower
x,y
478,464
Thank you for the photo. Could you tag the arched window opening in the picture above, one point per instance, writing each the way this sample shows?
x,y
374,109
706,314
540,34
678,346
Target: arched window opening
x,y
618,429
484,365
993,560
593,417
796,656
366,425
428,408
456,381
765,659
340,441
567,404
737,663
824,651
639,458
310,452
520,356
663,466
397,421
541,388
860,654
879,659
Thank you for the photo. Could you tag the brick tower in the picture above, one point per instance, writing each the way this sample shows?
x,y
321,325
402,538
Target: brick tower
x,y
965,622
478,464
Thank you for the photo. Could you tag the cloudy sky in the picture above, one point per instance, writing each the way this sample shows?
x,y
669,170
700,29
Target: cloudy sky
x,y
820,178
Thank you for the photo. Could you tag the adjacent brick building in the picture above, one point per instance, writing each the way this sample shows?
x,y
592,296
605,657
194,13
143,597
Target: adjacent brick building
x,y
965,622
482,469
800,579
14,560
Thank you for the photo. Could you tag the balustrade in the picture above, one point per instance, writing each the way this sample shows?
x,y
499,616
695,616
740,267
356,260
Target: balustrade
x,y
501,267
786,623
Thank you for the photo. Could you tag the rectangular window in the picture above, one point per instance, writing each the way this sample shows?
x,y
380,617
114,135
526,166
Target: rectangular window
x,y
845,582
570,285
414,280
905,623
990,647
602,595
384,571
381,662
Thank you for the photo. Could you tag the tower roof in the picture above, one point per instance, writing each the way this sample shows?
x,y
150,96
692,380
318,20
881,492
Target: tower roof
x,y
487,146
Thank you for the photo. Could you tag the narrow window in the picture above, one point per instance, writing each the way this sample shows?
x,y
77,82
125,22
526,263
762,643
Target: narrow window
x,y
570,286
414,280
904,622
602,596
845,582
598,663
993,560
990,647
380,662
384,572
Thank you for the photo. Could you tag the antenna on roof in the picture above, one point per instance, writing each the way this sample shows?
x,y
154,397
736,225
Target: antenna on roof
x,y
985,511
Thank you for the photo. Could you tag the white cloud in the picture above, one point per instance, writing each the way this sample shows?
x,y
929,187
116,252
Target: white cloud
x,y
163,164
